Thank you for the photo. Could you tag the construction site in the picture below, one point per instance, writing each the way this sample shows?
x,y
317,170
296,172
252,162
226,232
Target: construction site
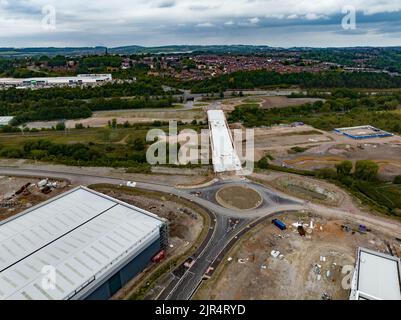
x,y
312,259
304,147
19,193
186,221
363,132
269,235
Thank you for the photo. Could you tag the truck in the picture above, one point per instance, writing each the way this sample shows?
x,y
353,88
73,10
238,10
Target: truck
x,y
279,224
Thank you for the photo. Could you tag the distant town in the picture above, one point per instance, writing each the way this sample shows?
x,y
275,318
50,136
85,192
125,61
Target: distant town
x,y
194,66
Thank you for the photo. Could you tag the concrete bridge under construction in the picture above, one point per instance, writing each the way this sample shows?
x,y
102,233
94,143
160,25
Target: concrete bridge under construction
x,y
224,155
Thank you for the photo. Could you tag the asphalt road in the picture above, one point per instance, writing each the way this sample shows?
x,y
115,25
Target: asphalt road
x,y
227,225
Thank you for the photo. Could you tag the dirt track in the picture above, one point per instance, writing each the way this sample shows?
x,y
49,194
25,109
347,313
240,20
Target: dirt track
x,y
281,102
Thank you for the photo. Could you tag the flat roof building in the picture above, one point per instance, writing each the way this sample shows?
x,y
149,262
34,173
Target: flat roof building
x,y
224,155
377,277
92,242
5,121
81,79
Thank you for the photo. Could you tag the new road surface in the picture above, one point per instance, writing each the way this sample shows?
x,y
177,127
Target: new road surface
x,y
227,225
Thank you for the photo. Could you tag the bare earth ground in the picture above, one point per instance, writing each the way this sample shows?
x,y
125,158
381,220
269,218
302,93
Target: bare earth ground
x,y
349,207
306,188
238,197
101,118
11,204
326,149
386,154
171,179
281,102
277,140
253,273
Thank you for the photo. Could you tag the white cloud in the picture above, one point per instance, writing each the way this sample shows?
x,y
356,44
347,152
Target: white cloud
x,y
314,16
205,25
131,18
292,16
255,20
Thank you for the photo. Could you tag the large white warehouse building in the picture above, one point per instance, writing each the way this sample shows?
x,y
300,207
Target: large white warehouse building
x,y
377,276
81,79
79,245
5,121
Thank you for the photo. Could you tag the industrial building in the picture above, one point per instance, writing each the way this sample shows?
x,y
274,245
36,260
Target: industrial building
x,y
224,155
81,79
377,276
363,132
94,243
5,121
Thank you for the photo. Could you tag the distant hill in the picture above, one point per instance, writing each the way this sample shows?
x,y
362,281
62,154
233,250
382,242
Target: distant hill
x,y
51,51
212,49
239,49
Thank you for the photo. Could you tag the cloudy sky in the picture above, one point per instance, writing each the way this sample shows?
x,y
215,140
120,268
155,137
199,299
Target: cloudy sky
x,y
285,23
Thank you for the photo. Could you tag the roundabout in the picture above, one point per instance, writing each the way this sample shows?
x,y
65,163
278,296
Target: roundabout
x,y
239,198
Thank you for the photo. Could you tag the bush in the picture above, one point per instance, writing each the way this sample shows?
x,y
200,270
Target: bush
x,y
11,153
347,181
263,163
60,126
327,173
344,168
366,170
38,154
397,180
139,168
139,144
298,149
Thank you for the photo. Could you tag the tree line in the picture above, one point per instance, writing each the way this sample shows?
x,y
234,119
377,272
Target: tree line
x,y
63,109
144,86
343,108
80,154
262,79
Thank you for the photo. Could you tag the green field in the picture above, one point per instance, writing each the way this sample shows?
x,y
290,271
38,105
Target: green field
x,y
94,135
388,195
124,147
119,147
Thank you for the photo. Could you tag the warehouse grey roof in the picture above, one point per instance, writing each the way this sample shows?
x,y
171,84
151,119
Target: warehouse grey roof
x,y
84,78
81,233
378,276
5,120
